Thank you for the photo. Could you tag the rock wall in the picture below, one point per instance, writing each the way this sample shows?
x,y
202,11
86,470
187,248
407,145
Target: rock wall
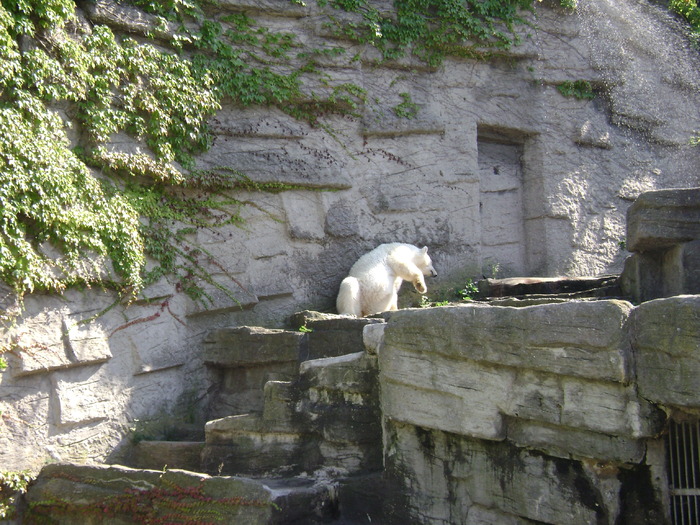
x,y
498,172
548,413
473,414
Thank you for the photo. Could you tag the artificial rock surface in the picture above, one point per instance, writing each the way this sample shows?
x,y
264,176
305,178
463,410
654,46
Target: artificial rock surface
x,y
663,229
485,404
471,414
499,174
69,494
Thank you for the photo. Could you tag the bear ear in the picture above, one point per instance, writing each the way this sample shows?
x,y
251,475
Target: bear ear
x,y
425,249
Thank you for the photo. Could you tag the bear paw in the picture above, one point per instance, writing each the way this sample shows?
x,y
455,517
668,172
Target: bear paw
x,y
420,286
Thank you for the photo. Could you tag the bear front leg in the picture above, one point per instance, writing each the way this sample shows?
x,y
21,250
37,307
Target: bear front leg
x,y
419,284
410,272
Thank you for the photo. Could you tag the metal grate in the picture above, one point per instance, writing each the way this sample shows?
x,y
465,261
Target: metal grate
x,y
683,449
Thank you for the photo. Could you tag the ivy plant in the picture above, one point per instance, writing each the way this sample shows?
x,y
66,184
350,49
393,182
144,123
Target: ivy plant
x,y
580,89
689,10
406,108
434,29
78,211
60,223
12,484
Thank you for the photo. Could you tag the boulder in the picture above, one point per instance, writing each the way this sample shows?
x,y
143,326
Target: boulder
x,y
659,219
666,342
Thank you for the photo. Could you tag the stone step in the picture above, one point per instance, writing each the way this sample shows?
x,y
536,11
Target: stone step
x,y
249,445
246,358
331,335
543,288
329,417
67,494
158,455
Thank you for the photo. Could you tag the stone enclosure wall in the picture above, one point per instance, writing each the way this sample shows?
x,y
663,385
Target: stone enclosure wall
x,y
553,413
548,413
545,409
497,172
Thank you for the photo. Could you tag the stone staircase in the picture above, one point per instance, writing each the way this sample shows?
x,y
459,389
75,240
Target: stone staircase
x,y
295,416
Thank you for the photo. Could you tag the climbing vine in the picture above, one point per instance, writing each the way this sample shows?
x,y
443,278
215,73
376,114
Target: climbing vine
x,y
689,10
434,29
60,224
407,108
12,485
79,211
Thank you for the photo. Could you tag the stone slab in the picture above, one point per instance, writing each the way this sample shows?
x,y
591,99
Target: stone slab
x,y
82,398
332,335
662,218
305,215
567,442
158,455
609,408
259,455
347,373
97,490
223,430
666,342
278,402
245,346
86,343
433,391
582,339
681,269
518,286
51,341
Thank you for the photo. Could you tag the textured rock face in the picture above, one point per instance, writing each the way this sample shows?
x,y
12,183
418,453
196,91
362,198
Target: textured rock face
x,y
667,343
536,413
111,493
498,171
663,230
479,415
328,418
497,372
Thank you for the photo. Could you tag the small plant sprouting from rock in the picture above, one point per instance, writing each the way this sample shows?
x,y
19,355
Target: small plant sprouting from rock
x,y
469,292
407,108
580,89
447,296
425,302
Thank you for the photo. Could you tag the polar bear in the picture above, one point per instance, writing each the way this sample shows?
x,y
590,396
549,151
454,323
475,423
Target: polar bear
x,y
374,280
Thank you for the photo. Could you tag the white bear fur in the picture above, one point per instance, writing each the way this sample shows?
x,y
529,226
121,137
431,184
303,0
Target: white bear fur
x,y
373,283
